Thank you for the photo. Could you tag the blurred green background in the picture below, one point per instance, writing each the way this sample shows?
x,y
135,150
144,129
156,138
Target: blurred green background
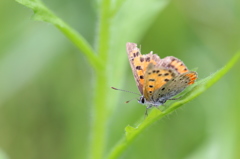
x,y
46,84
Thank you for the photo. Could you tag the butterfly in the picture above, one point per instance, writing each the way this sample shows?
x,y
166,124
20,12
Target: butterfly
x,y
158,80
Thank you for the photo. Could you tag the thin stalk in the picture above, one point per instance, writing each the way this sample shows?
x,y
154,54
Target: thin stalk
x,y
99,118
125,142
104,31
99,112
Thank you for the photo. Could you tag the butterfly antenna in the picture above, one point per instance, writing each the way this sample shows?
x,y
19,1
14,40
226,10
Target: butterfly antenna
x,y
125,91
131,100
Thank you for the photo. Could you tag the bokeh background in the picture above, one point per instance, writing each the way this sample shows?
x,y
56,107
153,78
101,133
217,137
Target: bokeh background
x,y
46,83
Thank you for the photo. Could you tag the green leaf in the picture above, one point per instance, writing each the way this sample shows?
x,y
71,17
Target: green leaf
x,y
190,93
3,155
42,13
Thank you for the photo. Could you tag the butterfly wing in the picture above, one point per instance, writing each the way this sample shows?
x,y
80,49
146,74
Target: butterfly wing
x,y
175,86
173,63
156,77
166,79
139,63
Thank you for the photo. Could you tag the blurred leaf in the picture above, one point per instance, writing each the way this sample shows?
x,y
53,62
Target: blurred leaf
x,y
192,92
23,62
3,155
42,13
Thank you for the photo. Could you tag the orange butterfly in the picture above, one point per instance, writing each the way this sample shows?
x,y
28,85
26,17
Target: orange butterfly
x,y
158,80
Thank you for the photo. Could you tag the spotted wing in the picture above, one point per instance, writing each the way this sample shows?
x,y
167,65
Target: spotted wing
x,y
175,86
139,63
155,77
173,63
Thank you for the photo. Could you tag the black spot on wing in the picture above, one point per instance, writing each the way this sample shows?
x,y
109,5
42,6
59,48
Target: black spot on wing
x,y
138,67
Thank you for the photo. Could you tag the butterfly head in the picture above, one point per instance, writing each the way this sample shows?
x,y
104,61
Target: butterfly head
x,y
142,100
149,104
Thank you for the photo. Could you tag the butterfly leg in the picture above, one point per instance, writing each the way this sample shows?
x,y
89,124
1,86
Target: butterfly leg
x,y
146,112
157,107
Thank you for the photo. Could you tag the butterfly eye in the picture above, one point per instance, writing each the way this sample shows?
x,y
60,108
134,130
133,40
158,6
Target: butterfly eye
x,y
141,100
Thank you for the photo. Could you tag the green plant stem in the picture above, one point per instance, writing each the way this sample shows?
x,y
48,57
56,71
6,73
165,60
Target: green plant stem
x,y
125,142
99,114
104,22
99,122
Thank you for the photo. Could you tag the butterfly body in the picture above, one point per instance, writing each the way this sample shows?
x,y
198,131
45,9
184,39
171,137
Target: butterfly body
x,y
158,80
